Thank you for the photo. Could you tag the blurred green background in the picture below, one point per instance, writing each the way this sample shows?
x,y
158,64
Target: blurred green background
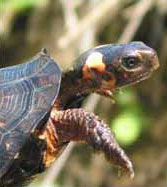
x,y
139,116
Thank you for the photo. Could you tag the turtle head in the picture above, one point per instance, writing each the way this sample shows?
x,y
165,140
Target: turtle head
x,y
114,66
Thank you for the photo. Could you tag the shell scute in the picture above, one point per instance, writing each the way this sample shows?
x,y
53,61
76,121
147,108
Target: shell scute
x,y
27,94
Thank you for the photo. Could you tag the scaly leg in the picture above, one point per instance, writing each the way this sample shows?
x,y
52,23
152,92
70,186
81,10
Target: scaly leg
x,y
79,125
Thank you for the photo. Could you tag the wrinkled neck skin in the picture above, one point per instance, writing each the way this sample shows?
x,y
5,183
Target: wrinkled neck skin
x,y
74,89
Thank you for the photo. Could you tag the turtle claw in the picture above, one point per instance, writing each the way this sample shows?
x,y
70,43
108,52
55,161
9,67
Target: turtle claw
x,y
129,170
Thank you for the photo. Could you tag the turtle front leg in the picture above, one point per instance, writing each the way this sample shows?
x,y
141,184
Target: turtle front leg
x,y
79,125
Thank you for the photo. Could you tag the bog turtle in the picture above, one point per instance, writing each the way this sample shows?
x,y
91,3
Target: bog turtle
x,y
40,108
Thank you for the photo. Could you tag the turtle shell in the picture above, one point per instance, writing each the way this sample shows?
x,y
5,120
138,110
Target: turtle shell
x,y
27,94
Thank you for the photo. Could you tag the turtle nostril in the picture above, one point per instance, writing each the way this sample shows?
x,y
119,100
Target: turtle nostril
x,y
151,57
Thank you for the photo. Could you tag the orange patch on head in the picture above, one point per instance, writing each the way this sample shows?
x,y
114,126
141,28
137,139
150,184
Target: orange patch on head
x,y
110,84
94,61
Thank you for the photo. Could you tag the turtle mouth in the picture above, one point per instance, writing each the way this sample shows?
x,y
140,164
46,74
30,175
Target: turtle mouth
x,y
134,80
108,91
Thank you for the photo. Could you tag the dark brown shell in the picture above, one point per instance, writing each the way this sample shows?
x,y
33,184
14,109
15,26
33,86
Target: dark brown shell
x,y
27,93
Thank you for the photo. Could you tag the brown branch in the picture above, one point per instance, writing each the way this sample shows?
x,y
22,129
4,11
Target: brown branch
x,y
135,19
104,10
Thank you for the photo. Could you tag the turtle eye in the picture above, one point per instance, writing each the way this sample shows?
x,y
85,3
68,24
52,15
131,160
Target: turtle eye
x,y
130,62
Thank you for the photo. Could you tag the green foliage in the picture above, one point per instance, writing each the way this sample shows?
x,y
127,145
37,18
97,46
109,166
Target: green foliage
x,y
18,4
127,128
129,124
